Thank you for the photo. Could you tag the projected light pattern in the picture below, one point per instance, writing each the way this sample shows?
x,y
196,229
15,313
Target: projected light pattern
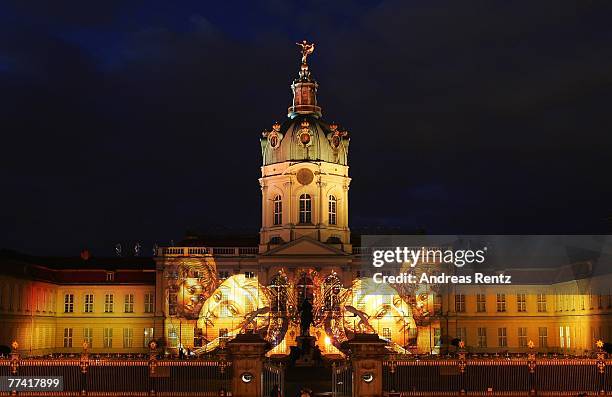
x,y
224,308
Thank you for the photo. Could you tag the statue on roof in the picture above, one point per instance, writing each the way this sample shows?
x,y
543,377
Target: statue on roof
x,y
307,49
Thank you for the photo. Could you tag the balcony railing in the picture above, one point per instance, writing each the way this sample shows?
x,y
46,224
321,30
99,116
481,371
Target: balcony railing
x,y
252,251
205,251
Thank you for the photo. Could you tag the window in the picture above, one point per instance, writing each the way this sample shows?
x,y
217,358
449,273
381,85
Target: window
x,y
386,333
482,337
225,306
198,337
462,334
521,303
543,336
148,299
437,305
561,337
88,336
460,303
128,337
305,208
129,303
502,336
223,333
567,337
223,274
148,336
172,337
108,338
110,276
437,337
69,303
501,302
108,303
249,274
333,203
481,303
278,210
522,337
542,303
172,303
89,301
67,337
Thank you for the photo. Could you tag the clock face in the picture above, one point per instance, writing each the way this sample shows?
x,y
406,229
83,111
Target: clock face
x,y
304,176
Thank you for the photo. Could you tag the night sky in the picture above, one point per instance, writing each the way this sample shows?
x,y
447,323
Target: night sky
x,y
139,120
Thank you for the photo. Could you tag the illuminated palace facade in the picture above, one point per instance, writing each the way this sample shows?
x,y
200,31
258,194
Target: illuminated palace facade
x,y
198,295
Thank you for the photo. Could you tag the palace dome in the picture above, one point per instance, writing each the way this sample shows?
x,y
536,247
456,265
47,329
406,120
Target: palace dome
x,y
304,136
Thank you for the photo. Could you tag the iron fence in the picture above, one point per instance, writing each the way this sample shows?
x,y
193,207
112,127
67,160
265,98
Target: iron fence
x,y
410,376
126,377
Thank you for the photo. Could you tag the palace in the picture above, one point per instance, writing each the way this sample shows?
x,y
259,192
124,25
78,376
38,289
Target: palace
x,y
199,295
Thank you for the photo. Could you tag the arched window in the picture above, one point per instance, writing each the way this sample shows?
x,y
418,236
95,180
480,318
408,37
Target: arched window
x,y
332,210
278,293
278,210
305,208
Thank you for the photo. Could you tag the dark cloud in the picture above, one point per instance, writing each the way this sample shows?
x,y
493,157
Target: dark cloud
x,y
138,121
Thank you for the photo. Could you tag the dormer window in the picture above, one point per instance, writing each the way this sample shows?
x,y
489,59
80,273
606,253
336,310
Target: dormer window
x,y
305,208
110,276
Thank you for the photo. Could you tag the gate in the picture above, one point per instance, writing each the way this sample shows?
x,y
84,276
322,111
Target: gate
x,y
342,379
273,374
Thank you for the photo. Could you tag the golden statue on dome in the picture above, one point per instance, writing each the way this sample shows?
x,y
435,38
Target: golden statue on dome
x,y
307,49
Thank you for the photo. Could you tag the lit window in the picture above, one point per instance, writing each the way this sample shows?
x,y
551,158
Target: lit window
x,y
501,302
223,333
460,303
149,303
108,303
89,301
543,336
481,303
278,210
386,333
108,338
88,336
482,337
67,337
503,337
305,208
542,303
68,303
522,337
437,337
148,336
172,337
128,337
332,210
172,303
129,303
521,302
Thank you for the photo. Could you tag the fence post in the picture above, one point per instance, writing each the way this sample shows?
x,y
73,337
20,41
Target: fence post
x,y
152,366
367,354
531,363
84,364
462,365
247,352
14,357
601,366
